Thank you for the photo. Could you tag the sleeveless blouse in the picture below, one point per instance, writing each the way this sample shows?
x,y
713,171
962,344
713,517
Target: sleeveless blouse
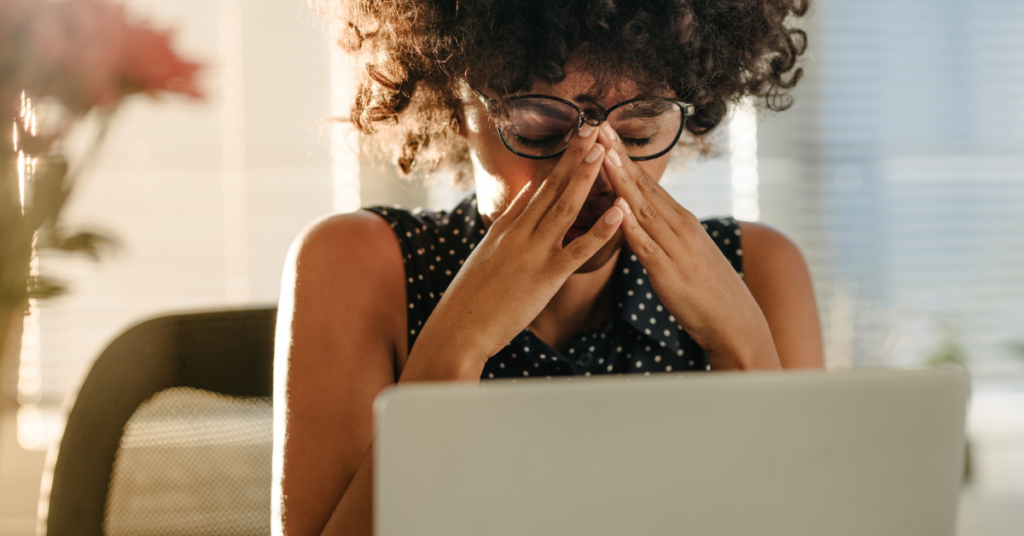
x,y
640,337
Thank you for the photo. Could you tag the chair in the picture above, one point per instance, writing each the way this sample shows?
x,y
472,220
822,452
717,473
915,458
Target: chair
x,y
226,352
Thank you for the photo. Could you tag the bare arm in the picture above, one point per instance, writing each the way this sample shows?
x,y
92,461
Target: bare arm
x,y
777,276
342,308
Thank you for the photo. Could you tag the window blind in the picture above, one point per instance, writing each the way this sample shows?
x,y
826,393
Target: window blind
x,y
900,172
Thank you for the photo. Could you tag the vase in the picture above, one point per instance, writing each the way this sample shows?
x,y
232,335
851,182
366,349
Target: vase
x,y
12,323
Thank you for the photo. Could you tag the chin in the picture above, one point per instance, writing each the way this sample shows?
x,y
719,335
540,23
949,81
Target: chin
x,y
603,255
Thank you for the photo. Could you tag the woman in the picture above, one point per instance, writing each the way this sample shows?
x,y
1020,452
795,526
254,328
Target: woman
x,y
570,258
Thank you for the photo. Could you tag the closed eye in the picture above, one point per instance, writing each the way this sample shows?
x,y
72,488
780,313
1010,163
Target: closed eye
x,y
537,143
635,142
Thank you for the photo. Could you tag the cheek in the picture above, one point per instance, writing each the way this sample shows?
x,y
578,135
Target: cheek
x,y
656,168
499,173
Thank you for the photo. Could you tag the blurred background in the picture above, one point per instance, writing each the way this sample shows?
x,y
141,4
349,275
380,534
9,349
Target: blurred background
x,y
899,171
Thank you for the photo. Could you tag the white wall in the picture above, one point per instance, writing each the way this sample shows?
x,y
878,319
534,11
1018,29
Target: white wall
x,y
204,197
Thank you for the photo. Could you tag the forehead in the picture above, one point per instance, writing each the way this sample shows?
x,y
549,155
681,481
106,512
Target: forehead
x,y
580,87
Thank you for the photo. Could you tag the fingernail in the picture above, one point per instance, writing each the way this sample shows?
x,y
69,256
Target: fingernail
x,y
594,154
586,130
608,131
621,202
614,157
613,217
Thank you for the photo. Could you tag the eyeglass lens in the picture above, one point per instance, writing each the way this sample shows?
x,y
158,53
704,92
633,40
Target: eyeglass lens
x,y
541,127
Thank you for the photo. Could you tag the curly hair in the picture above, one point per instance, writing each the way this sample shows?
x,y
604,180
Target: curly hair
x,y
415,52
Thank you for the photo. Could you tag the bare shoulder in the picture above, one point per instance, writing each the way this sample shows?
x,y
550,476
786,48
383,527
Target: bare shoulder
x,y
777,276
766,250
344,285
349,268
360,241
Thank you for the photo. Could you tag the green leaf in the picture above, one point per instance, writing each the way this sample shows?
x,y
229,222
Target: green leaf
x,y
86,242
950,350
44,287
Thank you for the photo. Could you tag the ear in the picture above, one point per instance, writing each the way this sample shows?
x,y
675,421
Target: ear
x,y
460,119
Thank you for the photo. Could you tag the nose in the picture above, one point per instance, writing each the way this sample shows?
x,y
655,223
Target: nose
x,y
601,185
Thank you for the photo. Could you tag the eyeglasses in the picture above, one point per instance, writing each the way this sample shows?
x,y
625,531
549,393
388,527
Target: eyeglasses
x,y
541,126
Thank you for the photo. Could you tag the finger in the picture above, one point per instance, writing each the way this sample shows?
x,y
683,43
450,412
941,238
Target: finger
x,y
517,206
560,217
647,250
556,181
646,212
649,187
584,247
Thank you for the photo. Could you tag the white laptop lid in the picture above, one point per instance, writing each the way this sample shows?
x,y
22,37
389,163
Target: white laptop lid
x,y
769,454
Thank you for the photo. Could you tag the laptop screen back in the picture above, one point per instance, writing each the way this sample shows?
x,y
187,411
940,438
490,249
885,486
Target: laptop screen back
x,y
787,454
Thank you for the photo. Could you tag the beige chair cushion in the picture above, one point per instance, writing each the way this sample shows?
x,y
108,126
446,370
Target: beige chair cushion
x,y
193,462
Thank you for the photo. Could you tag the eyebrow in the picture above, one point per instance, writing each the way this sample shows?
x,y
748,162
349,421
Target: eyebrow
x,y
590,98
550,110
587,98
650,110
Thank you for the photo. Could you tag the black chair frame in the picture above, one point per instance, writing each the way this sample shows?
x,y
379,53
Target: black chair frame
x,y
228,352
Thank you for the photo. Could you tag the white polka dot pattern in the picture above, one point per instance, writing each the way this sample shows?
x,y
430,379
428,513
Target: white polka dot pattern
x,y
626,343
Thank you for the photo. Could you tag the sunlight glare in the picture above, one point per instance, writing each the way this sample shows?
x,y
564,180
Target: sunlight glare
x,y
743,146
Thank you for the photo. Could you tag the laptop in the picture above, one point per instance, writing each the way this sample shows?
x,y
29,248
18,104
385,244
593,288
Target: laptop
x,y
858,453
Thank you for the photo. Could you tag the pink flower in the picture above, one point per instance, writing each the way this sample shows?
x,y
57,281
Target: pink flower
x,y
149,65
86,53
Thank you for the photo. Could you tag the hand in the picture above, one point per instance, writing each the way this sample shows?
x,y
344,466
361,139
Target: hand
x,y
516,269
692,278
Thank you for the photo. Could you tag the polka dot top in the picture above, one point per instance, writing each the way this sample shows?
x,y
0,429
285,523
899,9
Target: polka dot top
x,y
640,337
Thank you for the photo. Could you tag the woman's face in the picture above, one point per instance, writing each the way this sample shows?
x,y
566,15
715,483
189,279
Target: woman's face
x,y
500,174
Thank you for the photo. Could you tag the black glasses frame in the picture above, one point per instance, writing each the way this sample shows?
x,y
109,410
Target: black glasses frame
x,y
490,104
